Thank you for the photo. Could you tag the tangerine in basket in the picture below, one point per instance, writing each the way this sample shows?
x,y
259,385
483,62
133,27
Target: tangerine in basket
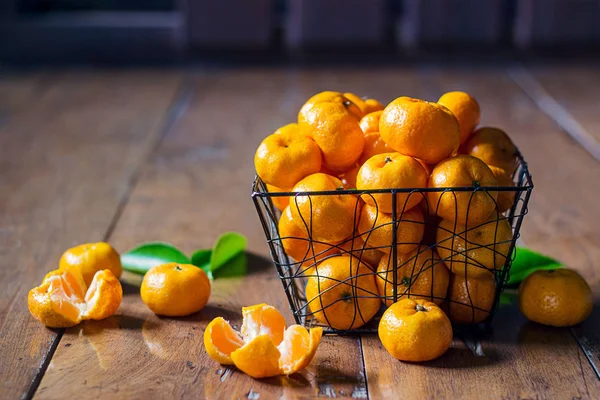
x,y
374,145
391,170
348,178
556,297
415,330
342,292
330,97
470,298
469,207
505,200
279,202
475,250
494,147
283,159
466,110
419,275
370,122
357,247
175,290
324,218
421,129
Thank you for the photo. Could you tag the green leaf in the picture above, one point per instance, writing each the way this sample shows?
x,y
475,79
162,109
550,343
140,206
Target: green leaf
x,y
237,266
201,259
145,256
227,246
527,261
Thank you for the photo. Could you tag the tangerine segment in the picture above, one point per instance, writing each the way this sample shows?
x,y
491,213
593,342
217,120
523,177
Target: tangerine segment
x,y
103,297
262,319
298,348
221,340
258,358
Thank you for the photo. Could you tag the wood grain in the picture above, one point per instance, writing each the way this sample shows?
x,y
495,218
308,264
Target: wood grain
x,y
197,185
66,160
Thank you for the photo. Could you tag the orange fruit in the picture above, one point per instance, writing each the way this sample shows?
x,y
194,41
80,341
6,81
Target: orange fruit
x,y
470,207
348,178
555,297
279,202
342,292
419,275
374,145
90,258
337,133
376,228
417,128
264,348
372,105
391,170
330,97
324,218
296,243
470,299
415,330
289,128
357,247
370,122
63,299
478,250
505,200
466,110
283,159
175,290
493,147
359,101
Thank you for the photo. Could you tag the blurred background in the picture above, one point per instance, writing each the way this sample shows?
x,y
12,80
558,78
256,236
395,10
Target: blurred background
x,y
174,31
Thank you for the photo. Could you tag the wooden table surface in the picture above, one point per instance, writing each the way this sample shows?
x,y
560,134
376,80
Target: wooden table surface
x,y
129,156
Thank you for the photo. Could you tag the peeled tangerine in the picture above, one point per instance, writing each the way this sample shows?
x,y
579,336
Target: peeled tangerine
x,y
264,347
64,300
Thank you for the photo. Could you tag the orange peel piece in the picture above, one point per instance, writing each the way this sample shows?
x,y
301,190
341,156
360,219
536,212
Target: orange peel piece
x,y
264,348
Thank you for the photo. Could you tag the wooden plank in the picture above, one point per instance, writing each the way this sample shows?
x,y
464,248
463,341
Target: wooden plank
x,y
522,359
196,186
66,162
567,95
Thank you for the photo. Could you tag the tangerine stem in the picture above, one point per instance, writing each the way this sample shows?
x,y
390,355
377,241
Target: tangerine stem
x,y
420,308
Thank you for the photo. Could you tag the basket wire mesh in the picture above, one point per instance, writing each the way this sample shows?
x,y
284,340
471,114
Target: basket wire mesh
x,y
458,248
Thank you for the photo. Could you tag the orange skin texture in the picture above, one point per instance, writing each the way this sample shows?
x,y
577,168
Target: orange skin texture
x,y
415,330
324,218
505,199
175,290
370,122
344,294
279,202
376,229
477,250
372,105
348,178
292,128
559,297
283,159
337,133
494,147
471,207
420,275
358,248
470,298
466,110
90,258
417,128
374,145
392,170
330,97
297,245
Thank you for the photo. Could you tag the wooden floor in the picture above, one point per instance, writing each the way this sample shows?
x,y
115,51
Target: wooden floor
x,y
138,155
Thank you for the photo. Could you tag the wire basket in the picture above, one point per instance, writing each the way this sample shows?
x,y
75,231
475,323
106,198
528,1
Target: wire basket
x,y
412,268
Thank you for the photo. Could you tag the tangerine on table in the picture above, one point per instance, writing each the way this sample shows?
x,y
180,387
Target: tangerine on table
x,y
466,110
175,290
324,218
494,147
90,258
475,250
470,298
470,207
556,297
342,292
419,275
285,158
391,170
415,330
337,133
376,228
417,128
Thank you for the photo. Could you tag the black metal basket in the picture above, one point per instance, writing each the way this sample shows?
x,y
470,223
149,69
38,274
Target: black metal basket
x,y
294,274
